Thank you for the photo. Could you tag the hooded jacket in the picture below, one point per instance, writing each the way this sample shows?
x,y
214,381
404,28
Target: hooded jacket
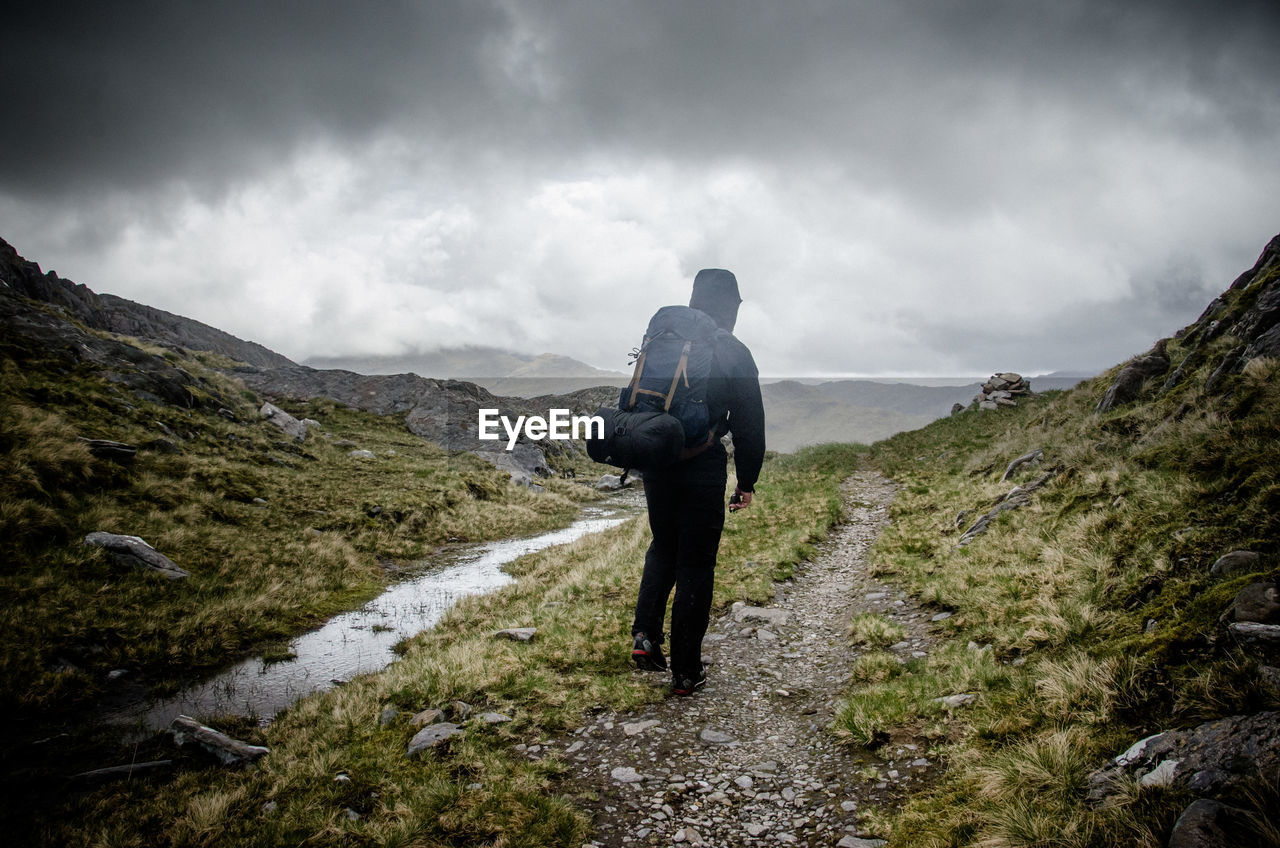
x,y
733,388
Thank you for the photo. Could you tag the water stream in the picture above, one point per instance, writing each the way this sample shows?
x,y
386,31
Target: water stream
x,y
361,640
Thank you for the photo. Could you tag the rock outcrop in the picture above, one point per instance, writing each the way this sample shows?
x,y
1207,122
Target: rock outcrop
x,y
1134,375
1248,311
442,411
31,334
1216,761
1016,498
118,315
134,552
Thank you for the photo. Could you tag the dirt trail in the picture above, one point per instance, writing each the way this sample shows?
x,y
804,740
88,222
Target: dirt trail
x,y
749,759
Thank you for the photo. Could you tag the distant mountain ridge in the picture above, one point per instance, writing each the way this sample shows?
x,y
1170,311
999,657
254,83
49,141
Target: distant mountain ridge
x,y
470,362
440,399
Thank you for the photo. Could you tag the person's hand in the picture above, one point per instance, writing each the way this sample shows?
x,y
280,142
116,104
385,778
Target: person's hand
x,y
739,500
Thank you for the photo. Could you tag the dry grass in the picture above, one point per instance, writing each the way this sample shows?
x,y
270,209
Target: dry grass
x,y
1096,598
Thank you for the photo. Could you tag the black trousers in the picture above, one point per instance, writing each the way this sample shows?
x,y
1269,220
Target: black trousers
x,y
686,516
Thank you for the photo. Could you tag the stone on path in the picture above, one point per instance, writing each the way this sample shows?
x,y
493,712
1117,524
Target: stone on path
x,y
715,737
858,842
626,774
637,727
767,615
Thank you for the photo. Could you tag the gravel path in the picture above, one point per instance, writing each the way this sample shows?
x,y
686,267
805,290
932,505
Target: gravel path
x,y
749,759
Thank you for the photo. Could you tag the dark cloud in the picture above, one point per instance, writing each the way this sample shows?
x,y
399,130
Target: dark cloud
x,y
121,95
342,177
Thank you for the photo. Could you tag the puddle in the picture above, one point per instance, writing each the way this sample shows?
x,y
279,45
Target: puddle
x,y
361,640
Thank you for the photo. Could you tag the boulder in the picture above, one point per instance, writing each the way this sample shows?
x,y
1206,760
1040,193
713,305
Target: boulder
x,y
1258,602
107,449
429,716
1263,637
609,483
1214,760
231,752
292,427
1236,562
133,551
432,737
1129,382
1210,824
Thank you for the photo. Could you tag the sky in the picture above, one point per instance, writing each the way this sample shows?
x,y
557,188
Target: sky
x,y
902,188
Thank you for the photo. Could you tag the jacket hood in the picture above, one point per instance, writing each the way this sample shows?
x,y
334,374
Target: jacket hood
x,y
715,292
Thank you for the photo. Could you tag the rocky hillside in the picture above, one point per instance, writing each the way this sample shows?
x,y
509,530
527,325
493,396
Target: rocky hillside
x,y
442,411
445,412
118,315
1104,563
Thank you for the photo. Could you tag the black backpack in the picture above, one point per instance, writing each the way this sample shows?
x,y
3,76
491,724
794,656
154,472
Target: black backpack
x,y
662,414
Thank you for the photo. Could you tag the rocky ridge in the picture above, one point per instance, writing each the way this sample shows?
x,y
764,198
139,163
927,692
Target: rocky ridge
x,y
125,317
1248,312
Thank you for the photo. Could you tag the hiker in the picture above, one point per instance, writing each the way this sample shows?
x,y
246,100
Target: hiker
x,y
686,500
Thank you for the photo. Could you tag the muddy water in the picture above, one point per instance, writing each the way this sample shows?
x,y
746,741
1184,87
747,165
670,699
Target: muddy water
x,y
361,641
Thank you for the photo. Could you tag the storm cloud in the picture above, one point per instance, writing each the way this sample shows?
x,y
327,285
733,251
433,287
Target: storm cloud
x,y
902,188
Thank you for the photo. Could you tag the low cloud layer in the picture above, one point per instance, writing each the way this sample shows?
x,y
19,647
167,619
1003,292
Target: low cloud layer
x,y
901,188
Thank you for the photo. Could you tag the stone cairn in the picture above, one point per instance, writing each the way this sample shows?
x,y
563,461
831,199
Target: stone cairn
x,y
1002,389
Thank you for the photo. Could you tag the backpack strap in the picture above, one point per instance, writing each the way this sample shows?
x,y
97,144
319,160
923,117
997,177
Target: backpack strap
x,y
682,370
635,379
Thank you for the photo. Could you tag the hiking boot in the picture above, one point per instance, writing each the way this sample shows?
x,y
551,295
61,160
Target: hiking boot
x,y
684,685
646,655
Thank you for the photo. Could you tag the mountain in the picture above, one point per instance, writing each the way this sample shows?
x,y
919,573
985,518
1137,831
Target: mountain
x,y
797,415
502,372
118,315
